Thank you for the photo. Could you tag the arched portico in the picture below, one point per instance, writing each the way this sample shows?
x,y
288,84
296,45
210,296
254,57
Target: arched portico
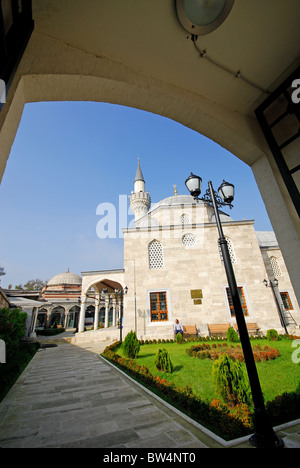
x,y
76,63
101,285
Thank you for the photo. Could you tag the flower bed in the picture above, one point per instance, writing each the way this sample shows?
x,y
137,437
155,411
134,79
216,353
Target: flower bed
x,y
216,416
207,351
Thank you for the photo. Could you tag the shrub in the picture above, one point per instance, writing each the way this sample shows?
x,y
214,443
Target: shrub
x,y
230,381
232,336
285,407
163,361
272,335
12,328
179,338
131,345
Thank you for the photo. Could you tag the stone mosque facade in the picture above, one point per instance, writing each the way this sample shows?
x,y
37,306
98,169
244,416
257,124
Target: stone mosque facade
x,y
173,269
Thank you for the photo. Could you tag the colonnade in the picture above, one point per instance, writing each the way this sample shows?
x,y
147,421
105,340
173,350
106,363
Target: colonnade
x,y
109,300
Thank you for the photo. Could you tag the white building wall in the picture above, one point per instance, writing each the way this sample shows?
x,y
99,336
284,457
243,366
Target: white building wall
x,y
189,268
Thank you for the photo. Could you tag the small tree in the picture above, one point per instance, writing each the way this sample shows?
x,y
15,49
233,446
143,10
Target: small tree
x,y
232,335
179,338
131,345
230,381
163,362
272,335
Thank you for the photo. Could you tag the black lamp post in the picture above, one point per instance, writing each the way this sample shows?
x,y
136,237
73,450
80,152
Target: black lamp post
x,y
264,435
121,294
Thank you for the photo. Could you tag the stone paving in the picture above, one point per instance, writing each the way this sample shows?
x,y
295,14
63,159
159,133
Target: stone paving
x,y
68,397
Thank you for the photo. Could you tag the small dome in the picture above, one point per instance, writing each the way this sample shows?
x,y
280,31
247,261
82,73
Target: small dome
x,y
65,278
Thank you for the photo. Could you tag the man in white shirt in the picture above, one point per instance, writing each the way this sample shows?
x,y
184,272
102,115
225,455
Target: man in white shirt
x,y
178,328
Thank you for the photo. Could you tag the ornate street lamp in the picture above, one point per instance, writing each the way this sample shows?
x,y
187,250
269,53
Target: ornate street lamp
x,y
121,294
264,435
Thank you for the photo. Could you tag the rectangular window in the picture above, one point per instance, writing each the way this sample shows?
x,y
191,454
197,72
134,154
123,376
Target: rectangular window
x,y
285,297
158,306
242,299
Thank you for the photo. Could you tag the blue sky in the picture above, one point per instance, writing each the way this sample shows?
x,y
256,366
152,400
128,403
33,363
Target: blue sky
x,y
69,157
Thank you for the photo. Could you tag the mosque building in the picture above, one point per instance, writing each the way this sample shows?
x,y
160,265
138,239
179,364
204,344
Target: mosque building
x,y
173,269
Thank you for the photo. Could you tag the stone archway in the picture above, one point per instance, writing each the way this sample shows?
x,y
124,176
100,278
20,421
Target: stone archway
x,y
57,317
79,75
102,286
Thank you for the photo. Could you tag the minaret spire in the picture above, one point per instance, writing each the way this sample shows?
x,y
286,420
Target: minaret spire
x,y
140,200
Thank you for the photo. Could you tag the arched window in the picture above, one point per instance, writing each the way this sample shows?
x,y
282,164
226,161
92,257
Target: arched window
x,y
275,267
189,240
185,219
231,251
156,255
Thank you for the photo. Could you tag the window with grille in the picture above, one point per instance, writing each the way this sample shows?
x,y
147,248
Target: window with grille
x,y
185,219
287,303
242,299
158,306
275,267
156,255
231,252
189,240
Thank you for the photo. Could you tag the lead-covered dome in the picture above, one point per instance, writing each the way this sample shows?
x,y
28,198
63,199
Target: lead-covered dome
x,y
65,278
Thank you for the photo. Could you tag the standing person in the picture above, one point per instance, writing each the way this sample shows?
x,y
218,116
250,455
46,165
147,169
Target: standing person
x,y
178,328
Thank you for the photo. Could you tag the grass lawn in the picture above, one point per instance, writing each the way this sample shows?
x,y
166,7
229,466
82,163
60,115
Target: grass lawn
x,y
276,376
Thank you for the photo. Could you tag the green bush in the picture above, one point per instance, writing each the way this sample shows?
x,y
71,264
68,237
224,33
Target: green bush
x,y
232,336
131,345
272,335
12,329
230,381
163,362
179,338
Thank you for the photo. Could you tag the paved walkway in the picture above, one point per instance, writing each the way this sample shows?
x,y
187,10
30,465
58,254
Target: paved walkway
x,y
69,397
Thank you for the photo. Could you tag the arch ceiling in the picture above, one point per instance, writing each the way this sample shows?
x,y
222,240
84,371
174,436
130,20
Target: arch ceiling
x,y
259,39
136,53
142,54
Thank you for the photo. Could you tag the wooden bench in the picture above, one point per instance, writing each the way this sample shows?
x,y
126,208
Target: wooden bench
x,y
190,330
252,328
218,329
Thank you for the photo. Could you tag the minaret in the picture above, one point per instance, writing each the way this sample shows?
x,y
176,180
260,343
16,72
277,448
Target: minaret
x,y
140,200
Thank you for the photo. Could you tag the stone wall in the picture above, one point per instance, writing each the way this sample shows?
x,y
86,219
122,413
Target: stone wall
x,y
198,267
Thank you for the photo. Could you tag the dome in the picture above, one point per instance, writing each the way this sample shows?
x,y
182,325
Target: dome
x,y
176,200
65,278
188,201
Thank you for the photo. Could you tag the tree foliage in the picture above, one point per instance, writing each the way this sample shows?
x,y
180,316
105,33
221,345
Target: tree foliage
x,y
131,345
230,381
12,328
163,362
32,285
